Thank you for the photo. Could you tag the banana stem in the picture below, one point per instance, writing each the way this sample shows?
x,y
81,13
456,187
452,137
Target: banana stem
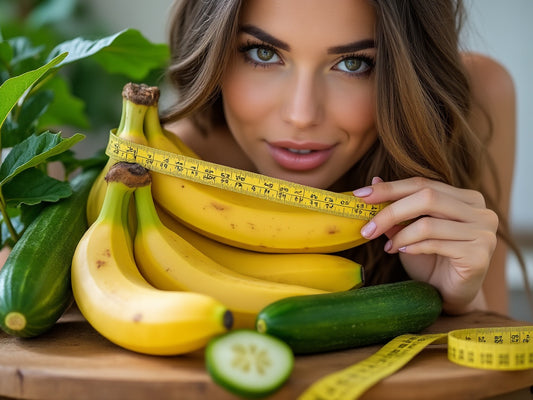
x,y
146,212
116,202
122,179
137,98
152,124
131,123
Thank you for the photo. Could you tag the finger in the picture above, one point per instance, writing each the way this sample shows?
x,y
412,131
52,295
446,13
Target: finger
x,y
428,228
381,191
394,230
426,202
467,257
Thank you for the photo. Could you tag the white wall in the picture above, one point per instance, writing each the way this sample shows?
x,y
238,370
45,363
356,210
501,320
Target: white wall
x,y
501,29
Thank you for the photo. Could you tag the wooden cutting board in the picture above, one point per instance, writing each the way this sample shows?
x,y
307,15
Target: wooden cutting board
x,y
73,361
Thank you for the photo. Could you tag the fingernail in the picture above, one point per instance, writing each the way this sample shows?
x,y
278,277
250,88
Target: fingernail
x,y
368,229
402,249
376,179
388,246
363,192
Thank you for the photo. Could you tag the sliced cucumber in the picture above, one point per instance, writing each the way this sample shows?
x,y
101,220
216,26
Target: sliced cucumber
x,y
249,363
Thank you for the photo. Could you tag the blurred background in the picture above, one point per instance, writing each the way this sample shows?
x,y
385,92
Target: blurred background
x,y
499,29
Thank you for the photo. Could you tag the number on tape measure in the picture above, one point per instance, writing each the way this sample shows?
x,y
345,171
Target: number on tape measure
x,y
240,181
509,348
352,382
506,349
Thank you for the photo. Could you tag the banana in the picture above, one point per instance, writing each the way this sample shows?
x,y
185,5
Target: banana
x,y
245,221
135,101
319,271
119,303
169,262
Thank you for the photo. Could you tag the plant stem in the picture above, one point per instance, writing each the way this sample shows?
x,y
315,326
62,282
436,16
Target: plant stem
x,y
12,231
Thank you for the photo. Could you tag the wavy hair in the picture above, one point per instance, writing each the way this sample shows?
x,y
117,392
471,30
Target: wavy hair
x,y
422,92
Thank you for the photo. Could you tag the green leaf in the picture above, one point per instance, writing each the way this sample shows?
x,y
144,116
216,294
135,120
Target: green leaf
x,y
15,131
65,108
6,53
12,89
33,186
33,151
51,12
126,52
133,56
23,49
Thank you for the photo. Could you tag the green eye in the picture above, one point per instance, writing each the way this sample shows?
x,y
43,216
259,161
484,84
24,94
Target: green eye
x,y
355,65
265,54
352,64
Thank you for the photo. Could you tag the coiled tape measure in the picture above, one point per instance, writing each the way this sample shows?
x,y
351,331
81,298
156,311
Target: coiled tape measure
x,y
507,348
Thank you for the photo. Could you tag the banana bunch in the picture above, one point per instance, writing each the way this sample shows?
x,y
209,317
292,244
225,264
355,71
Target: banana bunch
x,y
148,282
135,101
118,302
244,221
319,271
170,262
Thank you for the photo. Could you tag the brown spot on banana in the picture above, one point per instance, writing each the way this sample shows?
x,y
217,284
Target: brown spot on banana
x,y
218,206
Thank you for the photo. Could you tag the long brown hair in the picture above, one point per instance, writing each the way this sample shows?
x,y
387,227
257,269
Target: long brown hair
x,y
422,92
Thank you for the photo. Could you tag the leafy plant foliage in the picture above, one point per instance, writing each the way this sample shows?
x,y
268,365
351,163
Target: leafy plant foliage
x,y
36,96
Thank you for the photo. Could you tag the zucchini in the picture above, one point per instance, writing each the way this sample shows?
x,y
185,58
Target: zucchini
x,y
35,285
354,318
248,363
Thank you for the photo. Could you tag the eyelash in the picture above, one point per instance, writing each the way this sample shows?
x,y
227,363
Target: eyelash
x,y
244,49
367,59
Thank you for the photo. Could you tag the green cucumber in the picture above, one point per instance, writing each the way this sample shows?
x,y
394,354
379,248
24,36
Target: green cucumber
x,y
248,363
354,318
35,285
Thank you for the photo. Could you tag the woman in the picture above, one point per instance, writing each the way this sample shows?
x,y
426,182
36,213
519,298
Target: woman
x,y
367,95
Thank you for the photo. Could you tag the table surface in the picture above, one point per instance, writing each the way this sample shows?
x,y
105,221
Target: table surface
x,y
72,361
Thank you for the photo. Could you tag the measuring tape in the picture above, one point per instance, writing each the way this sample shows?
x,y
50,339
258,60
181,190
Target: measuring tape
x,y
240,181
506,349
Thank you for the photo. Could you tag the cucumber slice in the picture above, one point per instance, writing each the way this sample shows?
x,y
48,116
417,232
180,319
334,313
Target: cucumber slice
x,y
249,363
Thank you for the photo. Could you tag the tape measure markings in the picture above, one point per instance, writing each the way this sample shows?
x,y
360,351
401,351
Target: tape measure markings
x,y
353,381
502,348
509,348
240,181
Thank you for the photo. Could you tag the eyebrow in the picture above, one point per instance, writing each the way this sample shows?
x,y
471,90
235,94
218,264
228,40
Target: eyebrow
x,y
352,47
268,38
265,37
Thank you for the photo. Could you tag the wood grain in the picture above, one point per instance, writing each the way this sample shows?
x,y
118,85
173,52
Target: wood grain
x,y
73,361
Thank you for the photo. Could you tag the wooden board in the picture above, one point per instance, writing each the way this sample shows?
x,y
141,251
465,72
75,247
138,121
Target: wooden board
x,y
73,361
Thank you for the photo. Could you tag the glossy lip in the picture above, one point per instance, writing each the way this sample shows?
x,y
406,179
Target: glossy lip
x,y
280,152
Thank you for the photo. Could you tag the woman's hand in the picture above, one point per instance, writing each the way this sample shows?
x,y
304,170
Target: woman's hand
x,y
449,242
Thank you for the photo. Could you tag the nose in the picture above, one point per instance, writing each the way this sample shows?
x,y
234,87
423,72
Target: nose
x,y
303,100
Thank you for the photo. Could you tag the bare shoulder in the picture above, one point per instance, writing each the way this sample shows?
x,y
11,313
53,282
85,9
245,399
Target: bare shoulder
x,y
493,117
186,131
491,83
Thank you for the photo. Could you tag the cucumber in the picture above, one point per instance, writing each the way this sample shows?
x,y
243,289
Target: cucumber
x,y
35,285
248,363
354,318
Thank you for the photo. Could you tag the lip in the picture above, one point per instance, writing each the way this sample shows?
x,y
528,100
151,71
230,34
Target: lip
x,y
318,155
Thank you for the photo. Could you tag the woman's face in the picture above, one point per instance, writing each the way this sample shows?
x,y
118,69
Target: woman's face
x,y
299,93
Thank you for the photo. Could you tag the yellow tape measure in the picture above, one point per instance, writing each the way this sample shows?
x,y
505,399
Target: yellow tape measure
x,y
507,349
240,181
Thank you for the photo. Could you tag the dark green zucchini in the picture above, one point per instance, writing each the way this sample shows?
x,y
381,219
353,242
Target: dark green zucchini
x,y
360,317
35,285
